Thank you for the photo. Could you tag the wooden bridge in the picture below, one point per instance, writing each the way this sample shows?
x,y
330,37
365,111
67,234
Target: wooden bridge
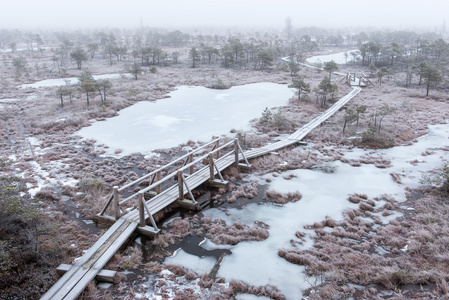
x,y
191,174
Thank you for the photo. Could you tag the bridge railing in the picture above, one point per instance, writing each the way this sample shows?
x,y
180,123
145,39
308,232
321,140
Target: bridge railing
x,y
156,183
156,174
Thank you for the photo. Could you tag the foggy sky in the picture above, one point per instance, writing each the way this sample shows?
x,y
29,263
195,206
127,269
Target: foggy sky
x,y
178,14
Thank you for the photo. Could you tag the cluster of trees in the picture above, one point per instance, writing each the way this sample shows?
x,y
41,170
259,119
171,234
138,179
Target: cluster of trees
x,y
325,89
423,58
394,53
88,86
418,55
144,47
372,136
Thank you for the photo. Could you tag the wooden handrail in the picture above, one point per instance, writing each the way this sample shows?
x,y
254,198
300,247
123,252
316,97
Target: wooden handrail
x,y
156,176
171,175
166,166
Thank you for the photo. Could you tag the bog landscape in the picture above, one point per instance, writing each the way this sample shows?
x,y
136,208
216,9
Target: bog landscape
x,y
295,162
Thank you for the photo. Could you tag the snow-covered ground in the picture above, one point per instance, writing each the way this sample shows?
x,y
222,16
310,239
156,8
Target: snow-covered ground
x,y
339,58
70,80
324,194
191,113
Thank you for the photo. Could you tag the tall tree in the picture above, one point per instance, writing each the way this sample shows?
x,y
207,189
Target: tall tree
x,y
175,56
80,56
55,60
350,116
330,66
264,59
431,76
92,48
87,84
103,86
324,89
135,69
194,56
359,110
384,110
20,65
300,86
380,74
61,92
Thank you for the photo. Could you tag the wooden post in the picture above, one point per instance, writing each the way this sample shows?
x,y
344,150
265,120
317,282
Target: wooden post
x,y
211,167
191,160
181,185
217,145
159,187
236,152
116,203
141,209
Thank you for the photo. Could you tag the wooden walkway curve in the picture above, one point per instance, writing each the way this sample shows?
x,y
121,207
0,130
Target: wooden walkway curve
x,y
84,270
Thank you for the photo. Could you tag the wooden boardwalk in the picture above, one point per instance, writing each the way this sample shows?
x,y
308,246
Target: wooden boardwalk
x,y
84,270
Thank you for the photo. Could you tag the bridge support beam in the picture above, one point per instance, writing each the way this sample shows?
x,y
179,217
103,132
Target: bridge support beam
x,y
246,167
104,275
186,203
116,202
143,228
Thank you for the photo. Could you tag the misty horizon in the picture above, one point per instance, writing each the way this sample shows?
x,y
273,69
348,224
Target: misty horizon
x,y
415,15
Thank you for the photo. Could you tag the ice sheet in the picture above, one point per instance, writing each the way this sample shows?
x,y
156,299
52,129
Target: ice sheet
x,y
198,265
339,58
191,113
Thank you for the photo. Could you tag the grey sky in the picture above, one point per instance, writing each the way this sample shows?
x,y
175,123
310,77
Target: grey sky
x,y
176,14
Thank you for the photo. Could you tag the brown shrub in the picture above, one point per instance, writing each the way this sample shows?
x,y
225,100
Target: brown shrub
x,y
396,177
220,233
46,194
281,198
356,198
366,207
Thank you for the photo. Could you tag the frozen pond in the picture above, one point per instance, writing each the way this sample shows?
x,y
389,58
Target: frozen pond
x,y
324,194
72,80
339,58
191,113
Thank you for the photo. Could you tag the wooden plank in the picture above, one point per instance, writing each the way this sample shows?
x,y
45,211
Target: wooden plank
x,y
84,266
102,260
86,256
67,287
80,285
